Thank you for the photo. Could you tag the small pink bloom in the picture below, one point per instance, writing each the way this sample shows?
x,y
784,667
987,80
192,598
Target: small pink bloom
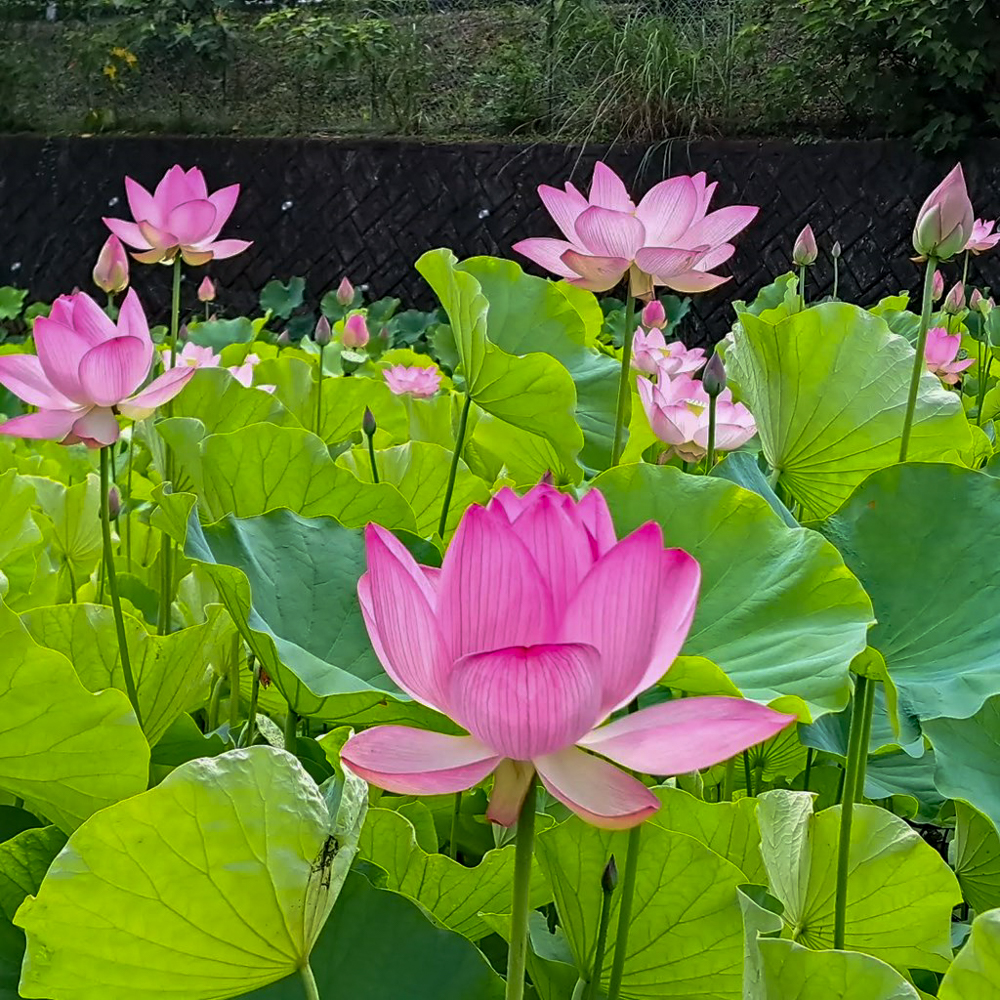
x,y
87,369
413,380
538,626
983,237
180,217
355,335
677,410
345,292
192,356
244,373
940,354
937,286
805,251
111,269
206,290
667,239
652,354
945,221
654,316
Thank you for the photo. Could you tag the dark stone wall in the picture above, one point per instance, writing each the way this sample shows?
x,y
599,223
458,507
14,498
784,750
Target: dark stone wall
x,y
324,208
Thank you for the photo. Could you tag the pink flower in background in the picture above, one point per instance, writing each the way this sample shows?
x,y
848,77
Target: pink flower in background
x,y
654,316
192,356
940,354
244,373
206,290
345,292
87,370
537,627
413,380
667,239
805,251
983,237
355,333
111,269
677,410
937,286
179,217
954,301
945,221
652,354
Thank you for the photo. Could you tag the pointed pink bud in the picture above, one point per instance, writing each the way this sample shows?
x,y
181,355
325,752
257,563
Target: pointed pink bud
x,y
980,303
937,288
322,335
654,316
206,290
355,333
111,269
805,252
954,301
713,378
368,424
114,502
345,292
945,221
284,339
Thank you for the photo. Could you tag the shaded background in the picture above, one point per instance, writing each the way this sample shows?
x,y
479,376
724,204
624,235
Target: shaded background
x,y
368,209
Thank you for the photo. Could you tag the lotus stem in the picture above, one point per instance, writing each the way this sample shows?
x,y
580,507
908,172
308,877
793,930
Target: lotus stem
x,y
625,911
128,509
234,686
747,777
212,712
319,393
371,458
517,955
456,812
713,402
836,276
175,313
918,361
309,982
291,730
802,287
463,421
72,582
727,785
624,386
866,735
249,730
809,763
854,751
609,878
116,604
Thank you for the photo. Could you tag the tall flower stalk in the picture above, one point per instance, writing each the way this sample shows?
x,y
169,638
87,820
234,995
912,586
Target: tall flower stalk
x,y
918,360
456,456
624,386
517,954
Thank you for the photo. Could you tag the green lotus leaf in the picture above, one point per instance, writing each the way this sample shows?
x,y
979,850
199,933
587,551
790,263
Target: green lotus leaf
x,y
171,672
450,892
828,387
419,470
216,882
686,928
24,859
779,612
761,919
532,391
976,857
74,513
742,469
20,536
936,618
222,404
65,751
291,585
975,973
900,893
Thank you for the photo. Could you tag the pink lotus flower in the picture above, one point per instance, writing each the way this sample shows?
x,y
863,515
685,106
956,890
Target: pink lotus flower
x,y
940,353
413,380
677,410
355,333
180,217
667,239
654,316
192,356
945,221
87,370
652,354
244,373
805,251
345,292
111,269
538,626
206,290
983,238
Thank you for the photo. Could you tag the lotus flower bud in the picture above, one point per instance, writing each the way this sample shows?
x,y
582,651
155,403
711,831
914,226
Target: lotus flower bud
x,y
368,424
355,333
937,286
182,333
945,221
284,339
805,252
345,292
981,304
322,334
206,290
836,251
609,877
114,502
713,378
111,269
954,301
654,316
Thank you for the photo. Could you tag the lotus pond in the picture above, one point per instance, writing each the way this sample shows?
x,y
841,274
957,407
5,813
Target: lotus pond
x,y
514,650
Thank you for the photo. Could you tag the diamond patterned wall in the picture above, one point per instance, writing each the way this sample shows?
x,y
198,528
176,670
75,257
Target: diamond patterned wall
x,y
368,209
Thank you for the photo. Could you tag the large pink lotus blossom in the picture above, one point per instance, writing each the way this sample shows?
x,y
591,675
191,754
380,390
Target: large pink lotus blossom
x,y
651,354
179,217
983,237
413,380
677,410
667,239
940,354
87,370
538,626
945,221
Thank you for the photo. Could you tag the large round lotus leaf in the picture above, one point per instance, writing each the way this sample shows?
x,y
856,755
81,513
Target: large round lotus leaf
x,y
975,973
216,882
936,612
828,387
977,857
779,611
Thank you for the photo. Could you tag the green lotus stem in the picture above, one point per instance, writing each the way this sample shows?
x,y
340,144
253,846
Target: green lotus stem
x,y
918,361
371,458
580,990
607,891
625,911
175,315
854,751
456,811
319,393
965,268
624,385
249,730
128,509
866,735
309,982
802,287
517,955
72,582
214,700
809,764
836,275
116,604
729,781
713,402
234,686
747,777
291,730
463,421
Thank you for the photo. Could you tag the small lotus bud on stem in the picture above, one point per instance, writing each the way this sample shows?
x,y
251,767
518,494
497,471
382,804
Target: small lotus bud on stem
x,y
114,502
323,333
206,290
111,269
345,292
954,301
836,250
284,339
945,220
654,316
805,251
713,378
609,877
355,333
368,424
